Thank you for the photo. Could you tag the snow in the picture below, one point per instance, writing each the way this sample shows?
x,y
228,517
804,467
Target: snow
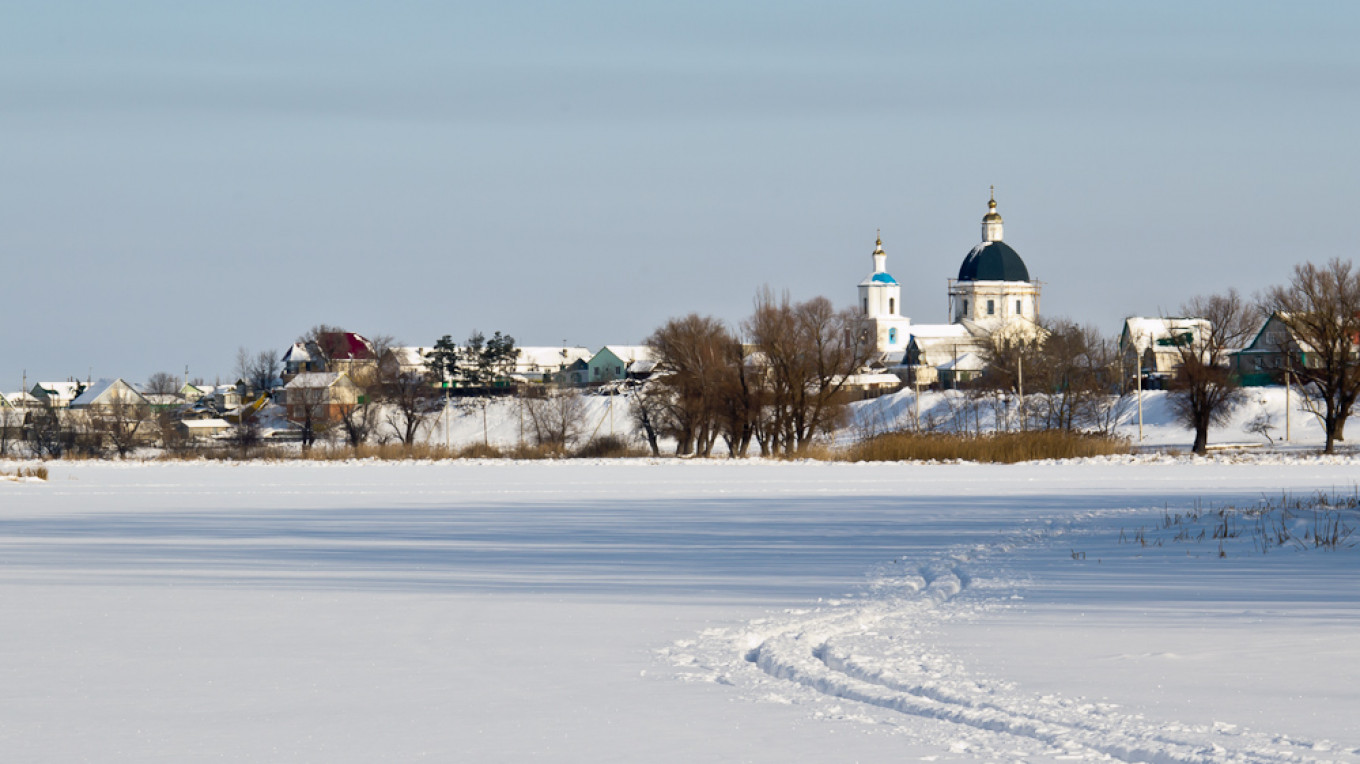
x,y
1160,429
671,611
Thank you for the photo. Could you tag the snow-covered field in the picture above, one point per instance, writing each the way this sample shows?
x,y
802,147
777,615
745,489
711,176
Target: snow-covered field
x,y
674,611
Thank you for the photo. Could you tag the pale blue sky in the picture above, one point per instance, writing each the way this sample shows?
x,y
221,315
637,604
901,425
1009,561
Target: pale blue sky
x,y
180,179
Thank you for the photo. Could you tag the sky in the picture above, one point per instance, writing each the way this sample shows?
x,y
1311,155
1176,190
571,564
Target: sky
x,y
181,180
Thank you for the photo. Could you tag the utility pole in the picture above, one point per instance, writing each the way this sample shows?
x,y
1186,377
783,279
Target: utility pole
x,y
1020,385
1286,401
916,399
1140,397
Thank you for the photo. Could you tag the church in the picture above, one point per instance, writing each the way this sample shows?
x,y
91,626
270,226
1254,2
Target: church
x,y
993,291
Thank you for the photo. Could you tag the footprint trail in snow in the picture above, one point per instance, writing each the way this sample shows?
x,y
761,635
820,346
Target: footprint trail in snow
x,y
871,658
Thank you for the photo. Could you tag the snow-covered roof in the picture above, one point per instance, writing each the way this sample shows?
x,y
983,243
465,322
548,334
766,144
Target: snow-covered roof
x,y
965,362
60,390
104,391
549,357
630,352
408,357
940,331
299,354
875,379
205,424
163,399
1143,332
314,379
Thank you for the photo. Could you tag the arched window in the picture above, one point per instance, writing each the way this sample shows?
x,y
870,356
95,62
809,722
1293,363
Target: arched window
x,y
892,335
892,305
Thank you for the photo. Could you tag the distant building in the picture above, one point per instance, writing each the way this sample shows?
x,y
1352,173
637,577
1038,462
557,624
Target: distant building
x,y
613,362
319,396
107,394
57,395
880,300
1154,345
992,293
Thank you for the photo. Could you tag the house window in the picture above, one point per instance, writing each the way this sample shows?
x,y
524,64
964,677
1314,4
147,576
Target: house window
x,y
892,335
991,307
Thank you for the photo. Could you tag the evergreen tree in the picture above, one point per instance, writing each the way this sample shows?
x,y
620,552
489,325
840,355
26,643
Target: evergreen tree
x,y
443,360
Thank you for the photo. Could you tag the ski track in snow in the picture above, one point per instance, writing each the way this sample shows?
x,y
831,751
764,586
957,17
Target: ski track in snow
x,y
873,651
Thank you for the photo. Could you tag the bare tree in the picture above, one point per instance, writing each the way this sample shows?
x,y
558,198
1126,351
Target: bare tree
x,y
310,407
11,428
1012,356
328,340
408,397
245,434
694,361
121,422
173,439
556,417
49,435
1204,392
161,383
1068,375
359,421
260,371
1320,306
808,351
648,405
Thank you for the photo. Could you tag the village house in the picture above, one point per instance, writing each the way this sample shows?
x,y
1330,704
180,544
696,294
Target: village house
x,y
320,396
57,395
108,394
330,351
1155,345
543,364
1263,361
614,362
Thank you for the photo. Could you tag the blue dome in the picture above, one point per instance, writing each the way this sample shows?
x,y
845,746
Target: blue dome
x,y
883,278
993,261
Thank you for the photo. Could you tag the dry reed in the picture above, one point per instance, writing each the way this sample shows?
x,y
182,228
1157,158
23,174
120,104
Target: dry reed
x,y
1002,447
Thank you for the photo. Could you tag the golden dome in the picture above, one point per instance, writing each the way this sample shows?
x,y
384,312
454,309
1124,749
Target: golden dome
x,y
992,215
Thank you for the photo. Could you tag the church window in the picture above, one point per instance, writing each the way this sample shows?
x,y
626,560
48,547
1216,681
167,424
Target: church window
x,y
892,335
866,306
1017,308
892,305
991,307
965,307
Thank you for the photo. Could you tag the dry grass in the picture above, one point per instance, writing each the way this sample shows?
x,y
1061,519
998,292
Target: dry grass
x,y
1004,447
23,473
378,452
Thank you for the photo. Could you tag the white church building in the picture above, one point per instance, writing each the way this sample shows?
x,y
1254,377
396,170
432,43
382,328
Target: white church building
x,y
993,291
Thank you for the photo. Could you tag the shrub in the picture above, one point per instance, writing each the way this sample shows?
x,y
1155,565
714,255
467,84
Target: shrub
x,y
609,447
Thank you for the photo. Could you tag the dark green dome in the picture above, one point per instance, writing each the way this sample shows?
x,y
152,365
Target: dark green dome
x,y
993,261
